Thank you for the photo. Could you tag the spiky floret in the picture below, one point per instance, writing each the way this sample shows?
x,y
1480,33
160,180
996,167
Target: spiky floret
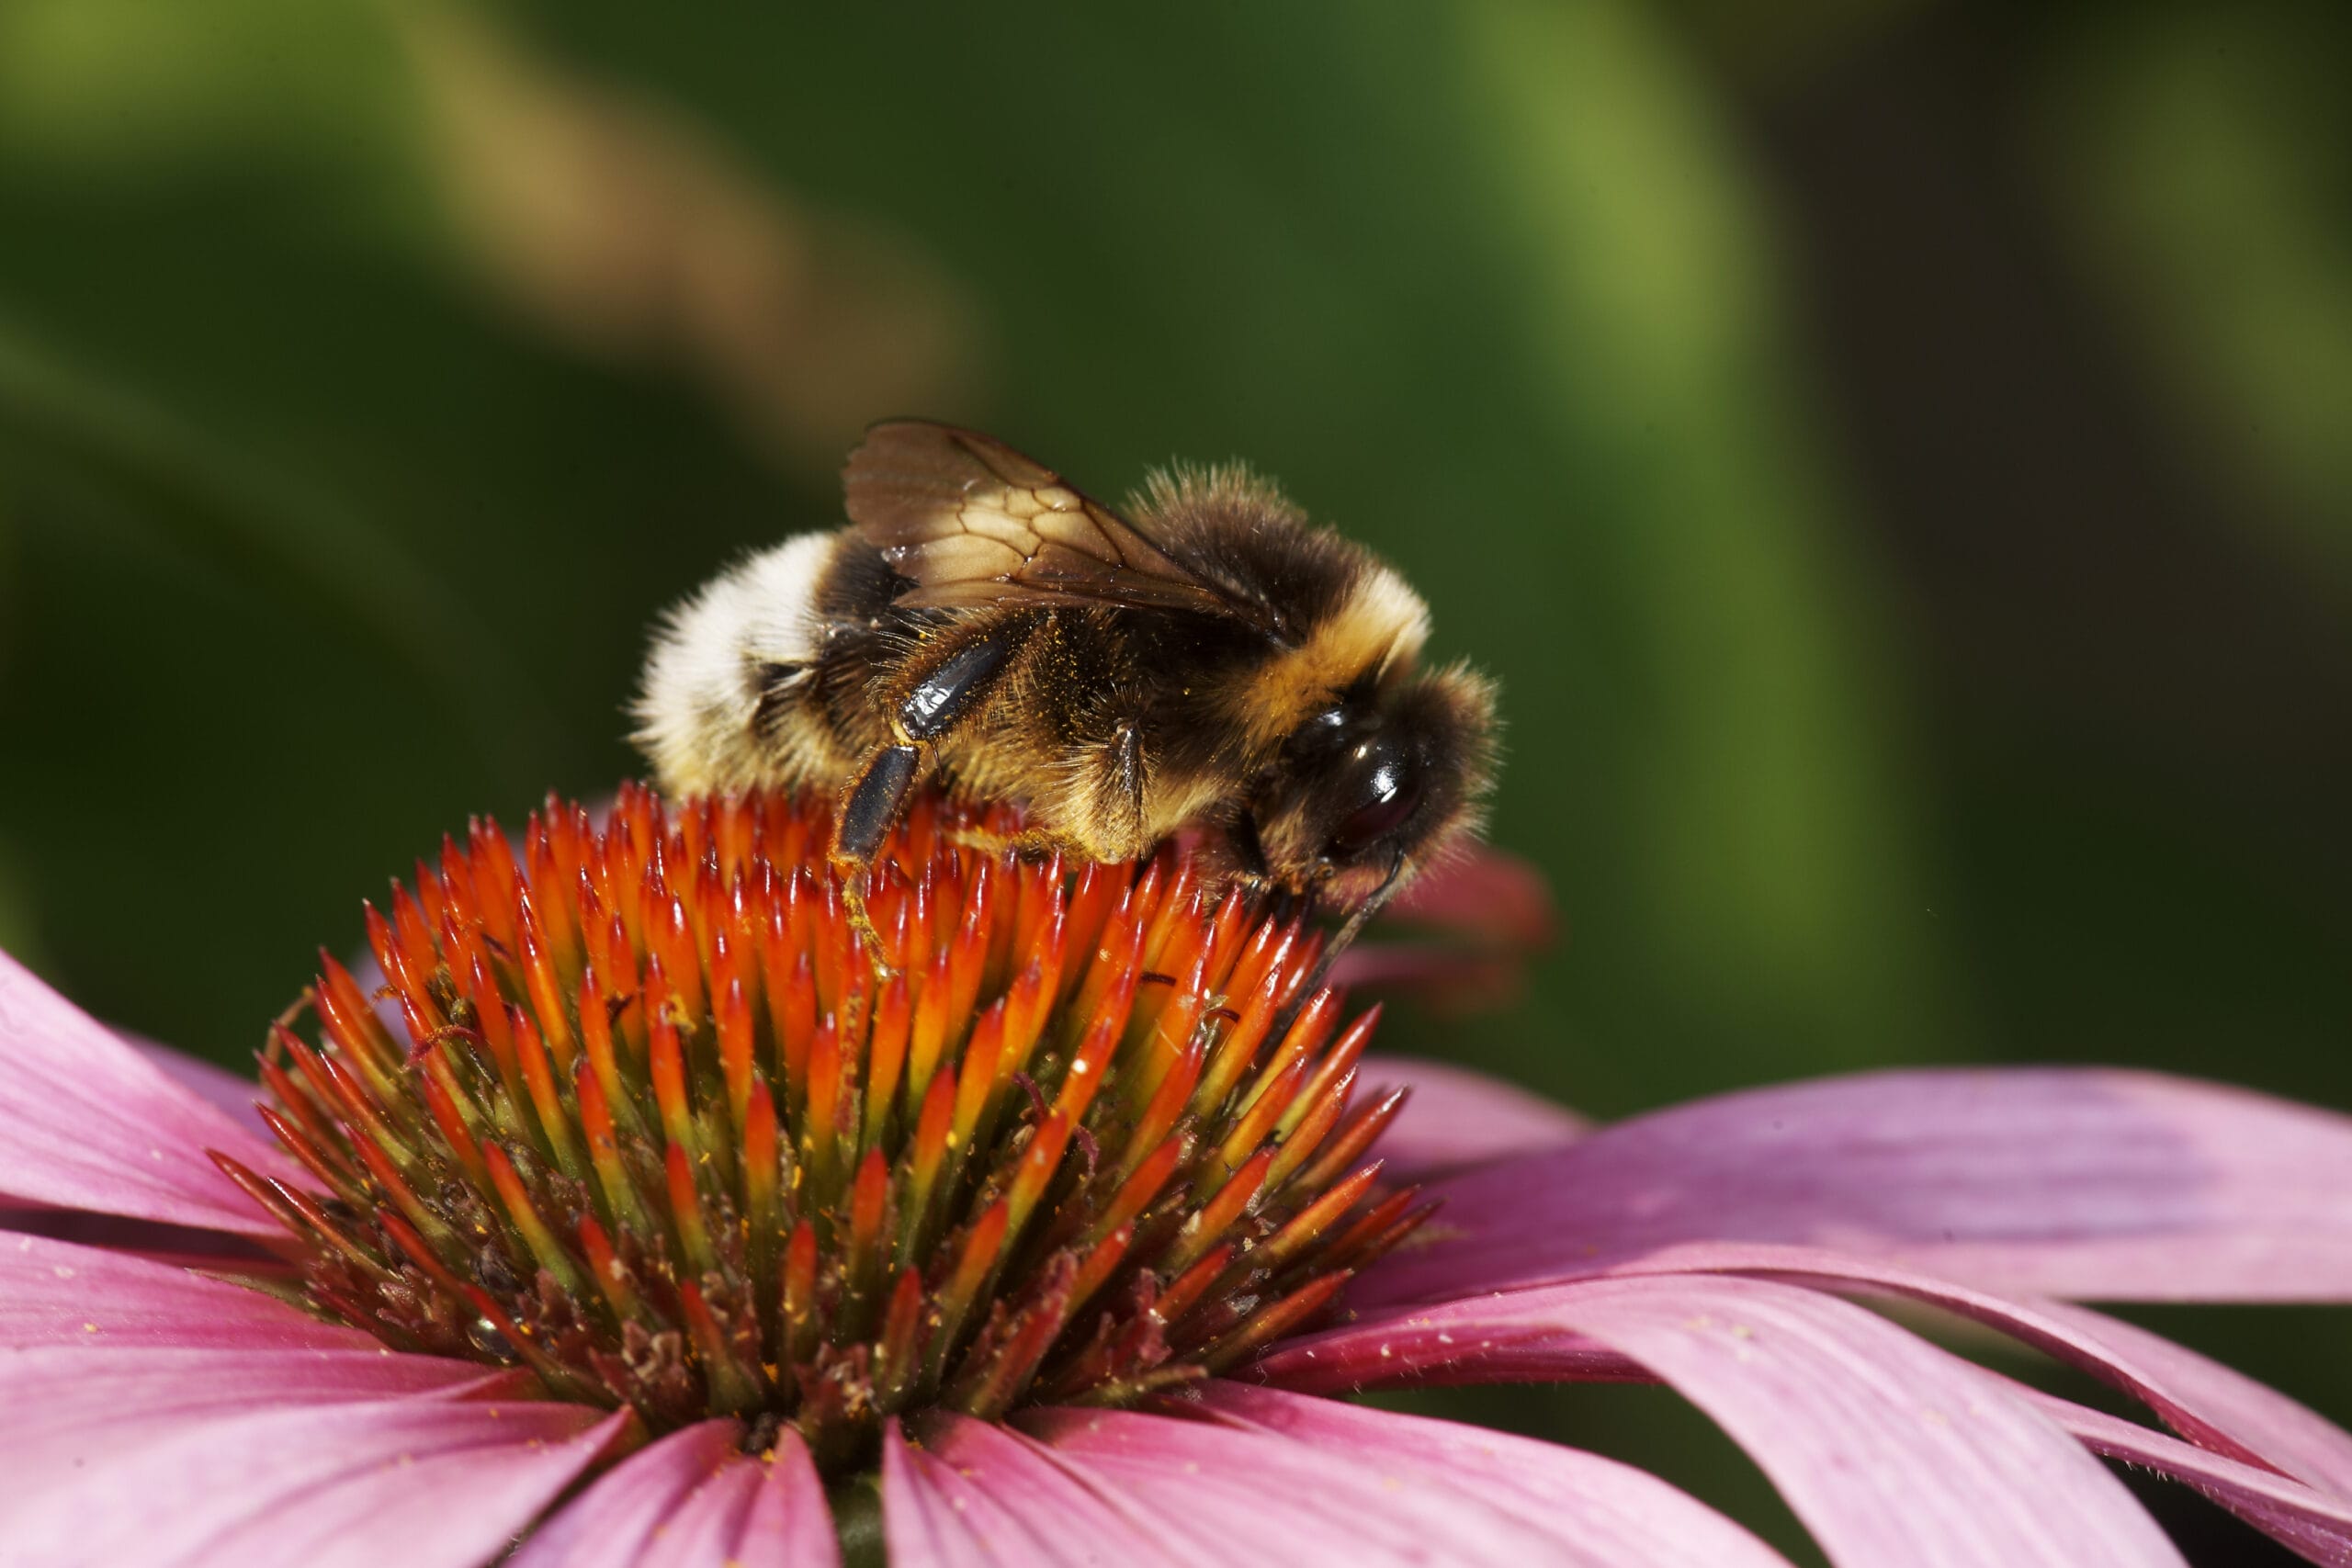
x,y
661,1135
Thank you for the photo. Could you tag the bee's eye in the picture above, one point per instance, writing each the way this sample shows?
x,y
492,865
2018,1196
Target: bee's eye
x,y
1387,792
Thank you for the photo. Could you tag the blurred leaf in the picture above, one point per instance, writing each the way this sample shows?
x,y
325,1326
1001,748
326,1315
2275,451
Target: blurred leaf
x,y
319,551
1778,47
1765,851
296,548
2203,168
621,227
142,92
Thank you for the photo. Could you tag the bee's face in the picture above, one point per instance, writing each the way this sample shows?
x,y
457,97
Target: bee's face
x,y
1373,782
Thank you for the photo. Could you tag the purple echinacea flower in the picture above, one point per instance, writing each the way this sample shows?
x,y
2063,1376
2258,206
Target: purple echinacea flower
x,y
662,1230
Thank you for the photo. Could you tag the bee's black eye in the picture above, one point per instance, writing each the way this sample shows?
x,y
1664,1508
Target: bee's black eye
x,y
1388,790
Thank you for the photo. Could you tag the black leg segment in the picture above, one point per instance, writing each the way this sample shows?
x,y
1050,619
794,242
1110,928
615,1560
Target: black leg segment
x,y
873,803
960,680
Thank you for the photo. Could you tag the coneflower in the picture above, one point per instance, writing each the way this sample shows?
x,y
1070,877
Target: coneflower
x,y
658,1131
634,1217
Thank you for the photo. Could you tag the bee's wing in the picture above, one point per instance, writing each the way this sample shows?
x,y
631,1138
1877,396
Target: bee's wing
x,y
973,522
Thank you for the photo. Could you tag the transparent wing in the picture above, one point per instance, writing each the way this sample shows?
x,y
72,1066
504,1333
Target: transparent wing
x,y
973,522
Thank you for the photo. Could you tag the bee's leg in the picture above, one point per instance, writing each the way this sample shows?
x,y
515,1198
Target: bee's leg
x,y
1122,762
1030,844
1095,803
870,805
941,691
862,922
1256,879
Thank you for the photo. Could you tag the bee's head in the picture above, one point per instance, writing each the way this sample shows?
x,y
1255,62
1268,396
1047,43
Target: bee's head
x,y
1375,783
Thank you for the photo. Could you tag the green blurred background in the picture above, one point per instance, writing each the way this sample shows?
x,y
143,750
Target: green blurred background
x,y
1894,455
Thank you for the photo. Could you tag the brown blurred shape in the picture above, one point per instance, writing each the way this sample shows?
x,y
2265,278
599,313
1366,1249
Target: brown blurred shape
x,y
624,229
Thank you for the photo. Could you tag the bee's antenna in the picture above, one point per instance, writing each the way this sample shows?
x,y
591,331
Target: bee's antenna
x,y
1349,931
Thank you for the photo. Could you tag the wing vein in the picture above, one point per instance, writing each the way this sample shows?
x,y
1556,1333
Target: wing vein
x,y
970,522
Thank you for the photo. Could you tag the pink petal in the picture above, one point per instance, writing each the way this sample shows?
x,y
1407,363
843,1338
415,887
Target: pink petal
x,y
233,1094
975,1495
1448,980
86,1123
623,1508
54,1293
73,1407
1601,1511
2318,1527
1420,1347
695,1500
1250,1475
707,1528
2214,1406
410,1483
1125,1486
1489,908
1233,1494
1457,1117
2099,1184
790,1525
1890,1450
1485,891
2224,1410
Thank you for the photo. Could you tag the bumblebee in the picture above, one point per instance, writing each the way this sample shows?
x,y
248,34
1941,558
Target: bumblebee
x,y
1209,660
